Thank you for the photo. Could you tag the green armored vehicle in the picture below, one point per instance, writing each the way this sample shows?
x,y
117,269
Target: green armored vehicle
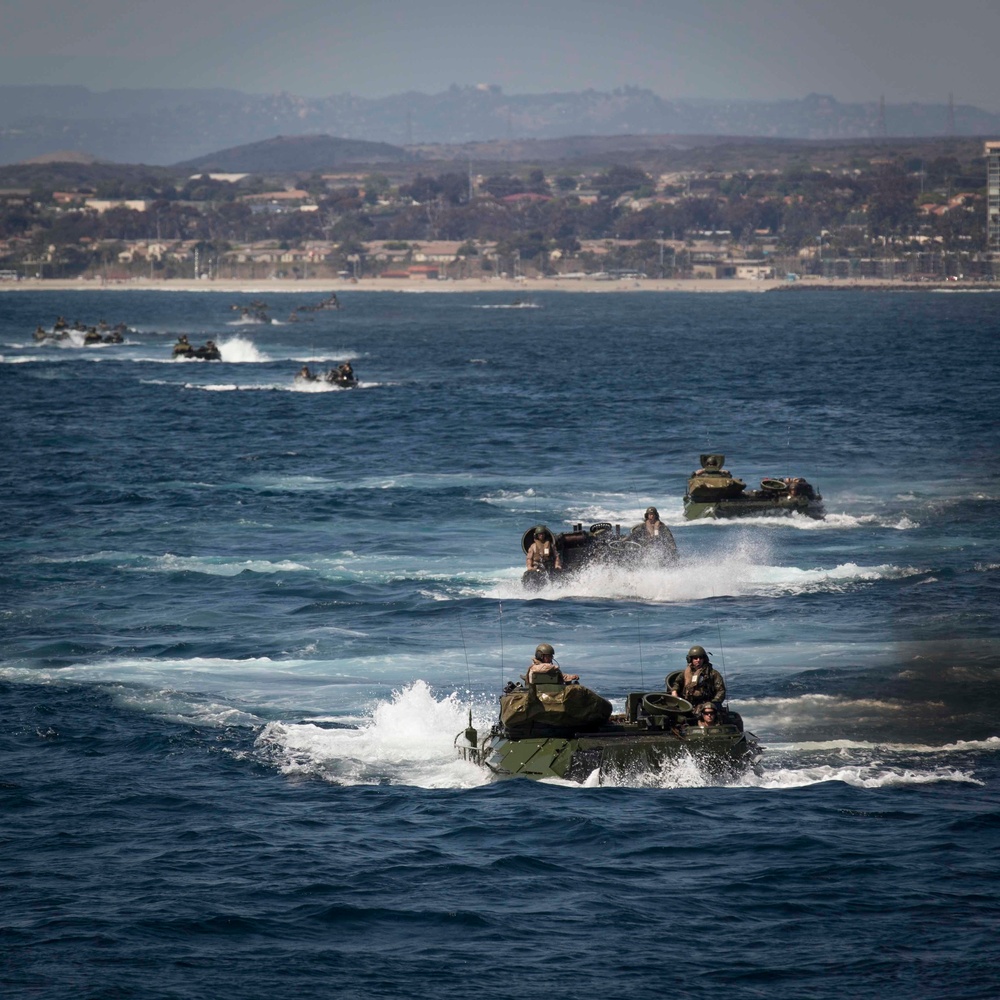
x,y
712,491
556,730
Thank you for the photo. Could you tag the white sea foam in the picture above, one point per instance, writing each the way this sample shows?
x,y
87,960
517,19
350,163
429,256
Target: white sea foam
x,y
871,776
205,690
832,521
328,356
627,510
692,579
241,350
220,566
170,563
286,385
407,740
989,745
740,574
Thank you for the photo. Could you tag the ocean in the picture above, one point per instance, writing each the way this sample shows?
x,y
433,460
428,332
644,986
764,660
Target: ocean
x,y
244,619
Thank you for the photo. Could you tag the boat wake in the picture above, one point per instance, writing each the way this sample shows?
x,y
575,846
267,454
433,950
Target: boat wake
x,y
407,741
869,776
408,737
283,386
242,351
628,511
701,578
692,579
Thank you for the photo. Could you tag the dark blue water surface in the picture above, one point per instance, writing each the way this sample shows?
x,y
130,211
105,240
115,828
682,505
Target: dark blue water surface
x,y
243,619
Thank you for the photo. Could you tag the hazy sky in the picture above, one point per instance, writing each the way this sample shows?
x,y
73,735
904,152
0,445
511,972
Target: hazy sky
x,y
856,50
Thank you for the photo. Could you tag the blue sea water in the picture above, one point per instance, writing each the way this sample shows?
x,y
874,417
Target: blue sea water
x,y
243,620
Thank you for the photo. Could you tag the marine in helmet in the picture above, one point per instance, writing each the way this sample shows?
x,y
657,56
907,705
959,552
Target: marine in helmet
x,y
543,668
542,555
699,682
653,531
342,374
183,346
707,715
209,352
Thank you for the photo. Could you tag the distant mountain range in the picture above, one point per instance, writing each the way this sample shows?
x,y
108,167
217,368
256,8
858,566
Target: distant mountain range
x,y
160,127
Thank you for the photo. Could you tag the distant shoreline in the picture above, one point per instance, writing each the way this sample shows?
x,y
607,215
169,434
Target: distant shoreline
x,y
521,288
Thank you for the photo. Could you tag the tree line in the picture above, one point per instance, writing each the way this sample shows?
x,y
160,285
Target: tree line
x,y
526,214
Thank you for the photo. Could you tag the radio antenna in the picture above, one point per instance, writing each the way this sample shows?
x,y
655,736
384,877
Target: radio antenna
x,y
470,733
468,669
638,632
722,650
500,620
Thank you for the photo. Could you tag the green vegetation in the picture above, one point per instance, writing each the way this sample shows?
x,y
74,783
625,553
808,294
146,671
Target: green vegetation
x,y
804,206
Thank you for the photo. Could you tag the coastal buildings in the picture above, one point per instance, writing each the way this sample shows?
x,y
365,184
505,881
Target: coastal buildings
x,y
993,196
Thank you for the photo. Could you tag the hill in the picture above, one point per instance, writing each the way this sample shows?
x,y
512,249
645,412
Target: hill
x,y
171,126
287,156
296,154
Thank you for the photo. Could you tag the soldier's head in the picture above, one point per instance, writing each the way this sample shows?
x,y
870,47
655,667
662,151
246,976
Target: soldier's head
x,y
541,532
652,514
708,713
544,652
697,653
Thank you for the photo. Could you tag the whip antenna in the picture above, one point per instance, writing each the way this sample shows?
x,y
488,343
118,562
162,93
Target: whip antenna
x,y
722,651
500,619
638,632
470,732
468,669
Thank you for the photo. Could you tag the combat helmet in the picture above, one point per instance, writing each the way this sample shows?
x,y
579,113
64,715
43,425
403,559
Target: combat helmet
x,y
544,649
697,651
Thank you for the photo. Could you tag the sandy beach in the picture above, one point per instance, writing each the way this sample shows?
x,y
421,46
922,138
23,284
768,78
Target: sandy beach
x,y
521,287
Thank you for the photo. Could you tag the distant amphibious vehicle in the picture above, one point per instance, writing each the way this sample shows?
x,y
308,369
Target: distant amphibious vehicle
x,y
559,730
713,492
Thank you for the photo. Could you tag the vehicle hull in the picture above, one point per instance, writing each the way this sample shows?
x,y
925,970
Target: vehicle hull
x,y
619,750
749,506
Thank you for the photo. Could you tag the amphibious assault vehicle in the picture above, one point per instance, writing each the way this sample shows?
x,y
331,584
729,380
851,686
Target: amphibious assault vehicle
x,y
552,730
600,544
712,491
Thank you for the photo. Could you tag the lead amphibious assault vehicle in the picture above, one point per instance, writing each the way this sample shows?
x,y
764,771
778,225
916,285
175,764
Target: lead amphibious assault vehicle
x,y
557,730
